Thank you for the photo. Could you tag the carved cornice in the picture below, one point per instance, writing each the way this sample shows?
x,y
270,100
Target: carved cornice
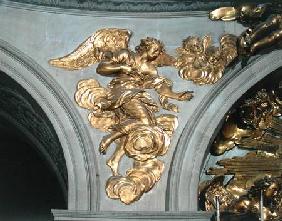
x,y
137,216
134,5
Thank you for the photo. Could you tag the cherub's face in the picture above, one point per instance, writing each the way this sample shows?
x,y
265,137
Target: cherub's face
x,y
250,11
153,52
213,56
100,103
194,45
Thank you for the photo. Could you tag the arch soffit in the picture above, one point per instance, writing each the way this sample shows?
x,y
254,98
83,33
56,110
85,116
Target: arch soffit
x,y
83,182
192,146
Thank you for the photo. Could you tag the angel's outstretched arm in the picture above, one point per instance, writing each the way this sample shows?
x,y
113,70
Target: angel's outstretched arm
x,y
109,68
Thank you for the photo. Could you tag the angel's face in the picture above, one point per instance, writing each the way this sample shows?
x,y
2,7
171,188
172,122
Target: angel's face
x,y
213,55
272,190
153,52
250,11
194,45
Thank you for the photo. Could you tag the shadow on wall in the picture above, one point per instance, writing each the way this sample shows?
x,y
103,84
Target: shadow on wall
x,y
29,189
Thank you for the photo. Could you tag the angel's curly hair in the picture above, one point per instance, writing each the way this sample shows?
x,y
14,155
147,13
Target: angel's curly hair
x,y
147,43
191,41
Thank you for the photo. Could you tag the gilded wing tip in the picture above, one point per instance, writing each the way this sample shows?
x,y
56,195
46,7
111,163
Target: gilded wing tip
x,y
59,63
54,62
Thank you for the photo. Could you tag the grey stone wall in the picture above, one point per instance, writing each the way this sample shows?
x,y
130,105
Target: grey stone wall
x,y
45,33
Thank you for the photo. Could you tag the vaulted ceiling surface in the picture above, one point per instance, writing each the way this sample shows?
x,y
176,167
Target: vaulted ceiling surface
x,y
137,5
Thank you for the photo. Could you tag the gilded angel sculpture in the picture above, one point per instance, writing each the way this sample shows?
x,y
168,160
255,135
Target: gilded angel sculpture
x,y
239,182
248,123
125,109
201,62
265,21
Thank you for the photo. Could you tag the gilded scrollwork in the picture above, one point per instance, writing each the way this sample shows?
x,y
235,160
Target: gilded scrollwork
x,y
201,62
125,109
254,126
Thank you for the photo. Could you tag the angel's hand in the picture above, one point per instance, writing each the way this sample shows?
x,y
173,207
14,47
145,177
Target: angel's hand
x,y
126,68
186,96
224,14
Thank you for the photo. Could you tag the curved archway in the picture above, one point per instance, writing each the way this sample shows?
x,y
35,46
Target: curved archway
x,y
75,141
23,114
29,186
182,190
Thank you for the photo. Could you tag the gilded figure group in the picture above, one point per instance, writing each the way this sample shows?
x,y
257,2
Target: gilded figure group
x,y
128,112
255,126
125,109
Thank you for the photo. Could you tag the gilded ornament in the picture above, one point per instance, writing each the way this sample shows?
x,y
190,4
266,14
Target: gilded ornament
x,y
255,116
254,126
94,49
265,25
201,62
125,109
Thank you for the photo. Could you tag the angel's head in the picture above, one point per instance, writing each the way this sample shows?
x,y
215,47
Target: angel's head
x,y
193,45
213,54
150,48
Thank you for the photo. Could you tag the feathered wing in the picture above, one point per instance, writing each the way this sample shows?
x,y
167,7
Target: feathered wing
x,y
164,59
93,49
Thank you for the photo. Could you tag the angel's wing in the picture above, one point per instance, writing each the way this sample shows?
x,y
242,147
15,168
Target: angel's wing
x,y
92,49
164,59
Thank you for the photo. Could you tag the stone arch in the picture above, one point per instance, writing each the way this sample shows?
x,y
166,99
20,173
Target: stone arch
x,y
192,147
83,182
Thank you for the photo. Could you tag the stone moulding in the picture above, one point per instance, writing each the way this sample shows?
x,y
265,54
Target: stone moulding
x,y
83,184
211,111
129,8
135,216
131,5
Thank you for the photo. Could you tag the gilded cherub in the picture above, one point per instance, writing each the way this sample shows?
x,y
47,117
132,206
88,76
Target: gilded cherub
x,y
248,201
125,109
131,69
139,70
246,126
264,21
201,62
